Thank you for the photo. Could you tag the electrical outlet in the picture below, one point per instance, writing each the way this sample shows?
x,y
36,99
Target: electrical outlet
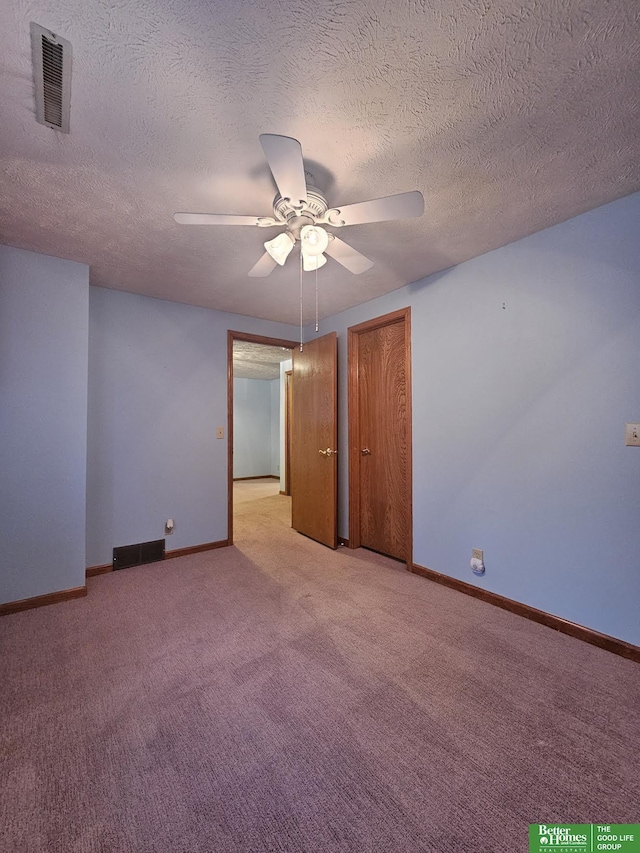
x,y
477,554
632,435
168,526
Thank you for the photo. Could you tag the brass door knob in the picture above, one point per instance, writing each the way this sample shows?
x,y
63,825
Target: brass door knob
x,y
365,451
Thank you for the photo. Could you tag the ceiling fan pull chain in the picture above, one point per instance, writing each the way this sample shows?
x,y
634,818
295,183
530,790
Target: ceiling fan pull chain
x,y
316,299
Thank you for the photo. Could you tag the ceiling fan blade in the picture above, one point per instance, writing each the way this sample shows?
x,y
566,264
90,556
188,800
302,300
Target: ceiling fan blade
x,y
264,267
284,156
401,206
214,219
349,257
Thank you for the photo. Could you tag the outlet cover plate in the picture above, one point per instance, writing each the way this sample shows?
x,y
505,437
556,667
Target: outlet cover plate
x,y
477,554
632,435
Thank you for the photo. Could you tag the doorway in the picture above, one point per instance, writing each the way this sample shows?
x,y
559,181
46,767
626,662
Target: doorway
x,y
254,360
380,478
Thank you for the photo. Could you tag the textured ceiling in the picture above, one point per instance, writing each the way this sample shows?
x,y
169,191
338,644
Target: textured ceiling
x,y
257,361
508,116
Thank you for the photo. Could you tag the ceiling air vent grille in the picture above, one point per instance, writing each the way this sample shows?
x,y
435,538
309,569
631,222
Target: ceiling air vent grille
x,y
52,77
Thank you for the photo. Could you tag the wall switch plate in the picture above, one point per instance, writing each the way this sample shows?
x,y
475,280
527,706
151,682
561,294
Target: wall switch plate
x,y
220,432
632,435
477,554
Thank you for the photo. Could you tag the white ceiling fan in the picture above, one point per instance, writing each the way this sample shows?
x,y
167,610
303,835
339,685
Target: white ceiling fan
x,y
303,211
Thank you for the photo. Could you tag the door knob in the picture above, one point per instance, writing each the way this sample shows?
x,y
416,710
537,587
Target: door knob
x,y
365,451
328,452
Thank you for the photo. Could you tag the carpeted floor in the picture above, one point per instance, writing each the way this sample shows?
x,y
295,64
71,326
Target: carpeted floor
x,y
277,696
253,490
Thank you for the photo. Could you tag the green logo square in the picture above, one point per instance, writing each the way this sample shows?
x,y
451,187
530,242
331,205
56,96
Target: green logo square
x,y
560,837
584,837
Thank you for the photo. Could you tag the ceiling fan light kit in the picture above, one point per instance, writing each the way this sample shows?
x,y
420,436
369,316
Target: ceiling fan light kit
x,y
302,209
313,262
314,240
280,247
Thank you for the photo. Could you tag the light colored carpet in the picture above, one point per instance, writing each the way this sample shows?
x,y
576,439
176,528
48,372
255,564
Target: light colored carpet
x,y
278,696
252,490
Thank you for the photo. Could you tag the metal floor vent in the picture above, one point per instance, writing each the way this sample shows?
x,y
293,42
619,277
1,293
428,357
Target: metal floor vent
x,y
52,77
136,555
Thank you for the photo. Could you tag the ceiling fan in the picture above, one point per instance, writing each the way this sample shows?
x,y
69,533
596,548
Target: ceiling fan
x,y
303,211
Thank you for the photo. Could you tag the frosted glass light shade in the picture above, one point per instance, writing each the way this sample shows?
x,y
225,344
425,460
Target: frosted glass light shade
x,y
280,247
312,262
314,240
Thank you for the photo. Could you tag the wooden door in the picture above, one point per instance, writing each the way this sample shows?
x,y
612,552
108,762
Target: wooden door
x,y
314,469
380,435
287,431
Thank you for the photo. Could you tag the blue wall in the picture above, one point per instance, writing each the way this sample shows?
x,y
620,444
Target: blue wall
x,y
275,426
44,315
525,369
253,427
282,426
157,392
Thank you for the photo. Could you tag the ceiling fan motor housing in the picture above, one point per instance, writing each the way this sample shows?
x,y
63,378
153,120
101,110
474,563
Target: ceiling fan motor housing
x,y
314,209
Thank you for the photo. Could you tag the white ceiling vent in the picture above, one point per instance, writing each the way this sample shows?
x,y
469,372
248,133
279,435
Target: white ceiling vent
x,y
52,77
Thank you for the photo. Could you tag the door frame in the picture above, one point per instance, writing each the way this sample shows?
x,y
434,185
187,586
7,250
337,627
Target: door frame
x,y
254,339
353,362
